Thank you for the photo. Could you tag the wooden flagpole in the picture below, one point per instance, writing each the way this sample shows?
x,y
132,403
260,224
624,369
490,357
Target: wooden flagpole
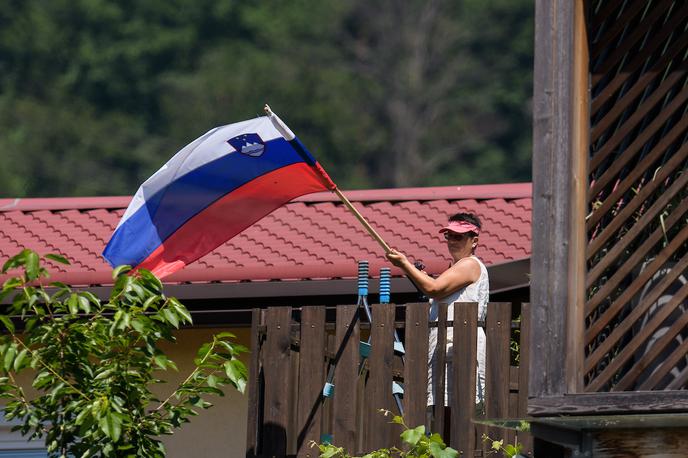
x,y
362,220
351,208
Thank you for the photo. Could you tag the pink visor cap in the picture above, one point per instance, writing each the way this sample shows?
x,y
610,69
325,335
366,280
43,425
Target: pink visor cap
x,y
460,227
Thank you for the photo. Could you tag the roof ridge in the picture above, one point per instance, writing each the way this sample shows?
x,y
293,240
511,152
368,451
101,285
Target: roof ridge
x,y
507,191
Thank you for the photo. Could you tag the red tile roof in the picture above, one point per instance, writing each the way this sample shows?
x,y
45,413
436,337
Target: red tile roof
x,y
311,238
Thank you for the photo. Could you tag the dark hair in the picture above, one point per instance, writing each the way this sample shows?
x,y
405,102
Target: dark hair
x,y
467,217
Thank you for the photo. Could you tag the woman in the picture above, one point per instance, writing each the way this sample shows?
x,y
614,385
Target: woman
x,y
465,281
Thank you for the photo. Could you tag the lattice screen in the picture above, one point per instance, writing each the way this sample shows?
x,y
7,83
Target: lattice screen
x,y
637,257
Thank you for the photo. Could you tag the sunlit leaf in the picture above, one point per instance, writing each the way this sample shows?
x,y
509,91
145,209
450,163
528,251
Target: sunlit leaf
x,y
120,270
57,258
32,265
7,322
412,436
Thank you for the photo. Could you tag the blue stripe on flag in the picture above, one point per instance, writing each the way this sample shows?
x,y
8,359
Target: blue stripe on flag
x,y
303,152
168,209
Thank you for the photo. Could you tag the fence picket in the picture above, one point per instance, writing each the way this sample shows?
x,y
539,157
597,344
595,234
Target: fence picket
x,y
524,363
378,428
346,372
254,425
416,365
311,379
462,398
439,370
498,331
276,369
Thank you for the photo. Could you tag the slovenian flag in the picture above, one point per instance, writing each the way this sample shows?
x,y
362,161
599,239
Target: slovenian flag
x,y
210,191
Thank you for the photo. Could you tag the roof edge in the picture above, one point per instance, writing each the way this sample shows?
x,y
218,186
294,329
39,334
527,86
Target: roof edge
x,y
64,203
480,192
504,277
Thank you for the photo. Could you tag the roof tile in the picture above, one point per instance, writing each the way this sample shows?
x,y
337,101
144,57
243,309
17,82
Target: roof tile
x,y
313,237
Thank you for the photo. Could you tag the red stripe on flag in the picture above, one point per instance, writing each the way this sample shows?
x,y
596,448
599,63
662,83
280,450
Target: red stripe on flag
x,y
230,215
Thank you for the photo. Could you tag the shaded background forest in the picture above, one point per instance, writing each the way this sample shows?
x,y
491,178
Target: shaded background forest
x,y
95,95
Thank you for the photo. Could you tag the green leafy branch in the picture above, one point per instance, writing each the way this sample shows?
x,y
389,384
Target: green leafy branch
x,y
418,444
95,362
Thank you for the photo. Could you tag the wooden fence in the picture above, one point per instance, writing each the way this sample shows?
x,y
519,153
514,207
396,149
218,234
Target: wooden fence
x,y
294,350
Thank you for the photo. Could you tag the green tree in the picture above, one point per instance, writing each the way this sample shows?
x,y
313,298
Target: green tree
x,y
388,93
93,363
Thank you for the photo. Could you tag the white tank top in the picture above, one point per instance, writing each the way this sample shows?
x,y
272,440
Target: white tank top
x,y
478,291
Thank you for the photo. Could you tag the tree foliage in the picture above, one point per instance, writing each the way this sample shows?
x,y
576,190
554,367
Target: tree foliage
x,y
389,93
93,363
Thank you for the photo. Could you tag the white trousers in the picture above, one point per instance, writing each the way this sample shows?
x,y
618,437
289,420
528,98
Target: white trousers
x,y
448,382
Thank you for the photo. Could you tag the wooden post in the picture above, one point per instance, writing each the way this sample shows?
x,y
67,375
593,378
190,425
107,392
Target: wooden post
x,y
552,204
579,187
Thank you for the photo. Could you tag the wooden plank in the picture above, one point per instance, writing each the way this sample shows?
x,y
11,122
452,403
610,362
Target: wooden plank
x,y
379,432
657,442
659,345
664,91
630,151
361,413
578,239
327,417
510,434
676,356
276,369
552,187
638,60
645,191
635,60
610,403
311,379
439,368
629,349
680,382
619,23
416,364
347,340
631,290
611,285
620,246
524,362
464,357
252,426
292,382
639,226
498,331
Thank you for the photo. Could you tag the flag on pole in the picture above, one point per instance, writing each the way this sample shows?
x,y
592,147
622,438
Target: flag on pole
x,y
210,191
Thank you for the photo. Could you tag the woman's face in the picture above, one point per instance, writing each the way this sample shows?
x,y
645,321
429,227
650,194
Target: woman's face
x,y
460,244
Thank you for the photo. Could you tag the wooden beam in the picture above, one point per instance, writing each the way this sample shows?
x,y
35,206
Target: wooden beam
x,y
579,186
553,112
610,403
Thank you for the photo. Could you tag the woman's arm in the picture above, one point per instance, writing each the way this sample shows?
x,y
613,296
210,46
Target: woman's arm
x,y
461,274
